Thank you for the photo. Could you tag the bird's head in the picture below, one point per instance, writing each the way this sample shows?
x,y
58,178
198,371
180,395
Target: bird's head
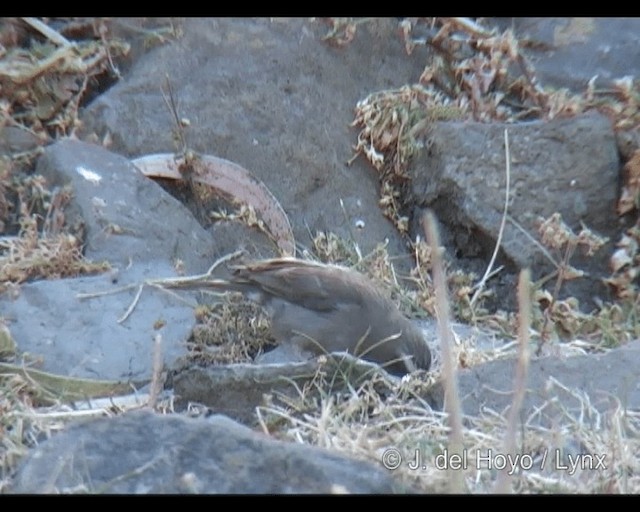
x,y
409,351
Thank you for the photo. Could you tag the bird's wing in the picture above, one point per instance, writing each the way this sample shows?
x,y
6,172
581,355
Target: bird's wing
x,y
311,285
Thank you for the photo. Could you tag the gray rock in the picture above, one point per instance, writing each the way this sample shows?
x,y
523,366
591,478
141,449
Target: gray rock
x,y
141,230
145,453
272,97
574,50
236,390
570,166
83,338
598,378
128,218
16,140
566,165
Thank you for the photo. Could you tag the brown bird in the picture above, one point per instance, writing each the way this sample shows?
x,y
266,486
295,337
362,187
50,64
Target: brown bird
x,y
322,308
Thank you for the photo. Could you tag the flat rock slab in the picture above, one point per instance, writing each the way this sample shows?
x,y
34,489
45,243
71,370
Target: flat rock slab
x,y
236,390
84,338
144,453
556,385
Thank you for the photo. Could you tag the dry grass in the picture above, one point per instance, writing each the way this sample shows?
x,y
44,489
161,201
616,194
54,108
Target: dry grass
x,y
43,248
393,426
229,331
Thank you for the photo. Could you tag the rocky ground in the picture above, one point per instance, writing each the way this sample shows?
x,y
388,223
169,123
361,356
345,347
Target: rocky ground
x,y
277,98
